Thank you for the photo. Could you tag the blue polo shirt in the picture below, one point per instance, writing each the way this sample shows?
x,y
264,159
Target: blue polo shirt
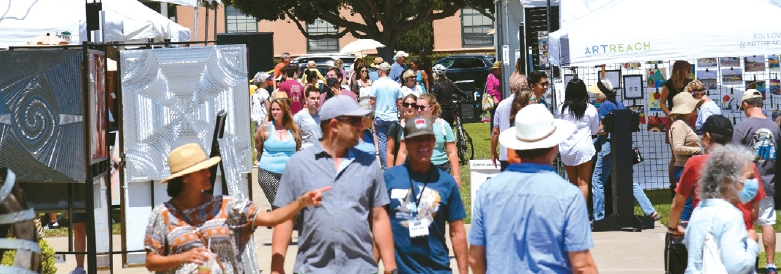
x,y
528,218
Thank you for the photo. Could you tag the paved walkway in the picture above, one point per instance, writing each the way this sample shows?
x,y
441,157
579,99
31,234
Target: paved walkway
x,y
614,252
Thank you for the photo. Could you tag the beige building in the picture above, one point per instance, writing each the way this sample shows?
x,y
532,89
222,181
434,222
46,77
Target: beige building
x,y
466,31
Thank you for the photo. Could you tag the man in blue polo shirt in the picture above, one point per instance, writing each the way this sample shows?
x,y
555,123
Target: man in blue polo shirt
x,y
423,198
528,219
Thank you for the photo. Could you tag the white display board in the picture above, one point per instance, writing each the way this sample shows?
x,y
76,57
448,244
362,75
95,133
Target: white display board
x,y
479,172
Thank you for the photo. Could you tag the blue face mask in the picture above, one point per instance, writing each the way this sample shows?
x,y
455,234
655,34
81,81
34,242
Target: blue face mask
x,y
750,188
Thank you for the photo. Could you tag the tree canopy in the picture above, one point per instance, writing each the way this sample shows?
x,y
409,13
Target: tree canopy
x,y
383,20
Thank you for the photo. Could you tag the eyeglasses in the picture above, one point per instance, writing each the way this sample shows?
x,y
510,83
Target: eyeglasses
x,y
421,107
410,105
353,120
545,84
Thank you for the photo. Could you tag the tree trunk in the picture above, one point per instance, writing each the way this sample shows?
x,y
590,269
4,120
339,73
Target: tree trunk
x,y
386,53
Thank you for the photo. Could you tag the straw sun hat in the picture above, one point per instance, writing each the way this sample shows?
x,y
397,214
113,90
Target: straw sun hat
x,y
684,103
187,159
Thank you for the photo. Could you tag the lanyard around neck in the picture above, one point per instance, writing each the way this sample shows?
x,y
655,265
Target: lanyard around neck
x,y
425,183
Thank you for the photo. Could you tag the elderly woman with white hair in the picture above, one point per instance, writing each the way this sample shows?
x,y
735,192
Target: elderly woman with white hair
x,y
716,237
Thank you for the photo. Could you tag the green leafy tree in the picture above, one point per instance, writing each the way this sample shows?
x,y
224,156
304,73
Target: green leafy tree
x,y
413,39
381,20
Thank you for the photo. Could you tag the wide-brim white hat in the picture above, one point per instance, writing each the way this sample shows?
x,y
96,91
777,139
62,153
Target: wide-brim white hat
x,y
684,103
535,128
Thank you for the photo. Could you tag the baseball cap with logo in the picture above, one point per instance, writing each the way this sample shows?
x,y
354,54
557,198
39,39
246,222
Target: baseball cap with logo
x,y
418,126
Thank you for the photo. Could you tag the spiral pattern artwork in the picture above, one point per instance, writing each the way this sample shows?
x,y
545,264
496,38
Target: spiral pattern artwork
x,y
35,119
41,129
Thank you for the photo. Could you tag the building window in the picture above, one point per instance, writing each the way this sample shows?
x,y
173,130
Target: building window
x,y
324,44
235,21
474,29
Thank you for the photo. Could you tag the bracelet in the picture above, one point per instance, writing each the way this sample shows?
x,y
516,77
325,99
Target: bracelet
x,y
672,229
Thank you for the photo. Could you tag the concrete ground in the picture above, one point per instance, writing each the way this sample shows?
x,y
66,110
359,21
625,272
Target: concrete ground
x,y
613,252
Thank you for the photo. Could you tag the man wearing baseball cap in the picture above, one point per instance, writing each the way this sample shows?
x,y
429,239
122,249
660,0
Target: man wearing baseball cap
x,y
528,219
761,135
398,66
337,236
716,132
423,198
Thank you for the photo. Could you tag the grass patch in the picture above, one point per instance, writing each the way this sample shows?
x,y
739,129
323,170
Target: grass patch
x,y
761,265
116,228
481,139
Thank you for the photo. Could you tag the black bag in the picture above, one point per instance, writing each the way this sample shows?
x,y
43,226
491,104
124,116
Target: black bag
x,y
676,256
637,157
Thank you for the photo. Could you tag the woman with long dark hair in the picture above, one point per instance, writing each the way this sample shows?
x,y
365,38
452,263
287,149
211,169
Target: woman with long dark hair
x,y
679,78
420,74
276,140
578,149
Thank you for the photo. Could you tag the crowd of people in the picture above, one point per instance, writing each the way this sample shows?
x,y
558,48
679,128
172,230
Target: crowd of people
x,y
368,163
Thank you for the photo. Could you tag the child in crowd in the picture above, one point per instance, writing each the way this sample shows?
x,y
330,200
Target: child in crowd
x,y
600,97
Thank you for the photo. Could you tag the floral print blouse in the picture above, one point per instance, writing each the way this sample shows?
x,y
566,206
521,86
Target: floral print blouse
x,y
226,221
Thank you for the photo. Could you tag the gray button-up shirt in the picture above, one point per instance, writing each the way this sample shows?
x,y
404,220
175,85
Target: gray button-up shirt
x,y
336,236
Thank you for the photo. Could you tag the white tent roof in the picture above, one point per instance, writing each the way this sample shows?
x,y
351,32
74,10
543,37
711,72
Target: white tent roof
x,y
189,3
126,20
620,32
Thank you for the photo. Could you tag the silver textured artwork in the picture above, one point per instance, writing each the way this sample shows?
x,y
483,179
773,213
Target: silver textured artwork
x,y
171,97
41,128
237,187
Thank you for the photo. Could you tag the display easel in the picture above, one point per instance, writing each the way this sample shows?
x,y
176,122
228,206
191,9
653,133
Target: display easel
x,y
620,124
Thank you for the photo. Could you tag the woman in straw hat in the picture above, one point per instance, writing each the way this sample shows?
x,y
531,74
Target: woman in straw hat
x,y
183,232
683,140
493,87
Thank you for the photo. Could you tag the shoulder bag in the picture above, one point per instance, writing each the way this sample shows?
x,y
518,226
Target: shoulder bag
x,y
711,257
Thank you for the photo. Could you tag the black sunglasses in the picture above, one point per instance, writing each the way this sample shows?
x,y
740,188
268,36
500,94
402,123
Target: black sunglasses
x,y
353,120
410,105
421,108
545,84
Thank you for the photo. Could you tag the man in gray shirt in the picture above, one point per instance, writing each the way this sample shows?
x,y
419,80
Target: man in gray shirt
x,y
309,121
337,236
761,135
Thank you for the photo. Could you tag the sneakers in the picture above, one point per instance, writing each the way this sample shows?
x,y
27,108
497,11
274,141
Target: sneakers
x,y
54,225
78,270
771,270
656,216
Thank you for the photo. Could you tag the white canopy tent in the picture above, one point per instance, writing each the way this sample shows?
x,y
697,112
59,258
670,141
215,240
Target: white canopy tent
x,y
621,31
125,21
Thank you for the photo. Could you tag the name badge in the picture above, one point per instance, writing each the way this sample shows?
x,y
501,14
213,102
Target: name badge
x,y
418,228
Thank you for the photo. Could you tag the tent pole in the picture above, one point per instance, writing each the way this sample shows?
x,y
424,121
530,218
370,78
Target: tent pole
x,y
216,5
206,25
195,28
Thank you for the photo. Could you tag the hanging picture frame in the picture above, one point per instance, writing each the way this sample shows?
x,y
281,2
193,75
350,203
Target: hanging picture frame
x,y
615,77
633,86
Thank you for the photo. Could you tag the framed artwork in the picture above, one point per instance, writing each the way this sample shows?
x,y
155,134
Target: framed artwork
x,y
97,98
639,109
615,77
633,86
567,78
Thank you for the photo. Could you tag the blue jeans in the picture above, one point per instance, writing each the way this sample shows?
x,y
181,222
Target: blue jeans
x,y
382,138
688,206
602,170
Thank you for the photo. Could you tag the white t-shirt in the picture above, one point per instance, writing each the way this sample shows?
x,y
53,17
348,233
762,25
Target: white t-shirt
x,y
579,147
259,110
502,119
405,90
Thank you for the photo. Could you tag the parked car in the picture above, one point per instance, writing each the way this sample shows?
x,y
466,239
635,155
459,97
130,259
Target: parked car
x,y
324,61
468,67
